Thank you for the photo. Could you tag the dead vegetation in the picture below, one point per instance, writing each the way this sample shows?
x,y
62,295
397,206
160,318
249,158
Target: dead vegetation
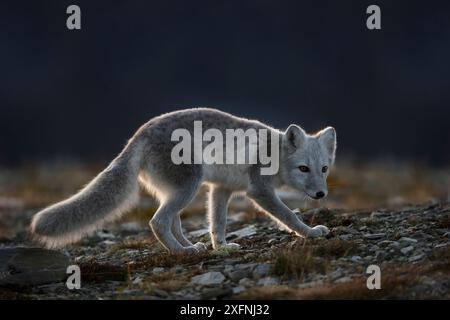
x,y
309,257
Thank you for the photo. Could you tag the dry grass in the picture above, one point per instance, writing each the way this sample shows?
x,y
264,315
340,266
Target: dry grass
x,y
299,262
101,272
306,258
133,244
396,285
166,260
167,281
335,248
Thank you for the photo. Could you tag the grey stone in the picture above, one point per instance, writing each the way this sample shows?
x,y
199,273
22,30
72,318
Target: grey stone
x,y
268,281
374,236
209,278
238,274
407,250
377,214
346,237
241,233
31,266
238,289
246,282
261,270
158,270
407,239
356,259
417,257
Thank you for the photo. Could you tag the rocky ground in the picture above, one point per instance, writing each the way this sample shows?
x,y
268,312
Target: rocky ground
x,y
410,244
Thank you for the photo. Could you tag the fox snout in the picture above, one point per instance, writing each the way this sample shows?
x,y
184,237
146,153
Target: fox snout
x,y
317,194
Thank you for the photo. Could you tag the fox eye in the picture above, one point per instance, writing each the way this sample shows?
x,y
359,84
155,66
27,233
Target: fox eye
x,y
324,169
304,169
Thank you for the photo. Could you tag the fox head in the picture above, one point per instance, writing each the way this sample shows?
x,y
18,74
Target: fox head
x,y
307,159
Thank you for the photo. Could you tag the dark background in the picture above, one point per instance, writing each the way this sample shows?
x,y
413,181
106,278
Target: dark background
x,y
81,94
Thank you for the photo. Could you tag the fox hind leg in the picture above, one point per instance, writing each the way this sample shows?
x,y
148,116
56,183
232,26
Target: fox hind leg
x,y
162,222
217,211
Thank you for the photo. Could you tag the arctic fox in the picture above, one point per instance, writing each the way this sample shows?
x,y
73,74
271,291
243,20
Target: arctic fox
x,y
147,160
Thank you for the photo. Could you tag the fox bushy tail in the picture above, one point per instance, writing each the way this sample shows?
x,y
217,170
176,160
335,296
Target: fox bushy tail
x,y
104,199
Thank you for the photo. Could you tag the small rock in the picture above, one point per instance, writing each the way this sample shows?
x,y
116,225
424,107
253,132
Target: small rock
x,y
238,275
374,236
268,281
241,233
31,266
209,278
407,239
104,234
356,259
407,250
416,257
343,279
238,289
246,282
346,237
160,293
108,242
158,270
338,273
377,214
137,280
261,270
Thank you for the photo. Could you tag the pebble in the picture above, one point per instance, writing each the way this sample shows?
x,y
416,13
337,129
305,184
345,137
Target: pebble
x,y
374,236
346,237
407,239
416,257
343,279
261,270
268,281
208,278
241,233
246,282
238,275
407,250
158,270
238,289
377,214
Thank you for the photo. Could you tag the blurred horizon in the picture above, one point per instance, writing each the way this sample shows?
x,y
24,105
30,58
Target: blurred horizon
x,y
79,95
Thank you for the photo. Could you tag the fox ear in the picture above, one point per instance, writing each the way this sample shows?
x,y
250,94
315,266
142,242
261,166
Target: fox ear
x,y
327,137
294,136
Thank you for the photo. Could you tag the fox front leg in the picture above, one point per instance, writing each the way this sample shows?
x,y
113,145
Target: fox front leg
x,y
268,201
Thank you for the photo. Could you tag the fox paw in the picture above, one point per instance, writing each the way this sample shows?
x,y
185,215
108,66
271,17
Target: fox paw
x,y
318,231
191,250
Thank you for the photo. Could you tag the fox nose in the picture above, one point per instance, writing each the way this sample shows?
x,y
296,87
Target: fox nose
x,y
320,194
